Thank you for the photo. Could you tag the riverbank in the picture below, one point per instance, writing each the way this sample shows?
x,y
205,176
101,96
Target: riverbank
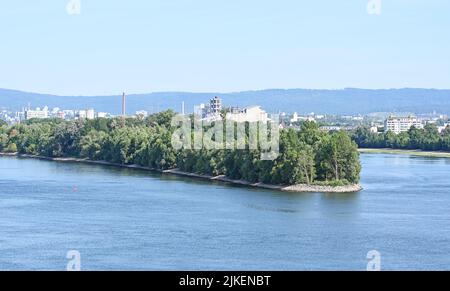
x,y
420,153
222,178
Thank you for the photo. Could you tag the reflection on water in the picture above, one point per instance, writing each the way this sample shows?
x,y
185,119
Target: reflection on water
x,y
123,219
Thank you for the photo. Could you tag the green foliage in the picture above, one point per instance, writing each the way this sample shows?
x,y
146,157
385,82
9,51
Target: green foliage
x,y
427,139
338,158
308,156
4,140
12,148
92,144
162,119
98,124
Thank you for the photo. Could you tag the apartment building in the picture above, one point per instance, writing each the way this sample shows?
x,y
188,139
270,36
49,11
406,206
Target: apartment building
x,y
401,124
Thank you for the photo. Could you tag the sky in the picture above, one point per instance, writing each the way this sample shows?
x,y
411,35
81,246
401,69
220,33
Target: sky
x,y
143,46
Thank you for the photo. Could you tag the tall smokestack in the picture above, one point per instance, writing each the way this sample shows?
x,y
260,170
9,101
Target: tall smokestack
x,y
124,105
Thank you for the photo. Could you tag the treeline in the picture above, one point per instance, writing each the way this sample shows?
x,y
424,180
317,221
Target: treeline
x,y
306,156
428,139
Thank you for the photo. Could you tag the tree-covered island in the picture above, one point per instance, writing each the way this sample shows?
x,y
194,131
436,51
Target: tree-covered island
x,y
306,156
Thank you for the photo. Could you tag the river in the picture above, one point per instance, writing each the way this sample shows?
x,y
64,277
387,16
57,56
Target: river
x,y
122,219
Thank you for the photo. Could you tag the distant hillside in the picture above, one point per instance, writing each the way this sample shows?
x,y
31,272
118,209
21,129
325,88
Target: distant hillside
x,y
346,101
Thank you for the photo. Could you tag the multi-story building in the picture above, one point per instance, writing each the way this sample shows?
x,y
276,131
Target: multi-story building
x,y
209,111
38,113
86,114
401,124
215,105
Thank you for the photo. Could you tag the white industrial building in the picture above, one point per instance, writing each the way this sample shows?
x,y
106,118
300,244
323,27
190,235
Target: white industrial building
x,y
212,112
249,114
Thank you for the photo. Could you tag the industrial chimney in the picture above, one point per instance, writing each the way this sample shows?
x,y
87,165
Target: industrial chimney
x,y
124,105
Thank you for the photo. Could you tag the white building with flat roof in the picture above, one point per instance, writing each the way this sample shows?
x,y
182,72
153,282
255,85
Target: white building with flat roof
x,y
102,115
37,113
86,114
401,124
249,114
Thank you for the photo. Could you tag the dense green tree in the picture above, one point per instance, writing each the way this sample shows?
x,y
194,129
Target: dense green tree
x,y
427,139
306,164
12,148
98,124
402,141
431,138
65,140
446,131
4,140
310,133
390,139
160,153
365,138
445,142
162,119
338,158
92,144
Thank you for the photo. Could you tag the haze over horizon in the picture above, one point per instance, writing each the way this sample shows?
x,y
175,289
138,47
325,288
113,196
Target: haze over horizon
x,y
119,93
222,46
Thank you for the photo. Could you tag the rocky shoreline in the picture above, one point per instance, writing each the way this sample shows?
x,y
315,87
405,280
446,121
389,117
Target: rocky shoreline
x,y
222,178
323,189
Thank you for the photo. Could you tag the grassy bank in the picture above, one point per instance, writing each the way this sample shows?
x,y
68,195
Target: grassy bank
x,y
406,152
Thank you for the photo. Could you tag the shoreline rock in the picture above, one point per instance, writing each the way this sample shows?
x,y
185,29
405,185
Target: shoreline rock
x,y
324,189
301,188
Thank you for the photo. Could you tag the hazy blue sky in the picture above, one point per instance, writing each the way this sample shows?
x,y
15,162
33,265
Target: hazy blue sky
x,y
222,45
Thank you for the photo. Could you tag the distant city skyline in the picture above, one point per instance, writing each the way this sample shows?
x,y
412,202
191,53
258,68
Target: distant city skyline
x,y
349,101
107,47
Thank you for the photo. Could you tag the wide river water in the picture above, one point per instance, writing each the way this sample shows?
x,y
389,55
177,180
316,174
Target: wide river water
x,y
121,219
